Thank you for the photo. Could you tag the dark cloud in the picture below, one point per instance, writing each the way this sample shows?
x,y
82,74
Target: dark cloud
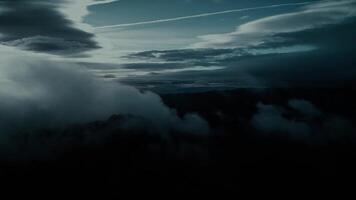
x,y
155,66
305,108
39,26
301,119
49,45
183,54
327,39
271,119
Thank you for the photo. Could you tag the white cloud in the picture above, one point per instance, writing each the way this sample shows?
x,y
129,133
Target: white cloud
x,y
263,30
76,10
38,93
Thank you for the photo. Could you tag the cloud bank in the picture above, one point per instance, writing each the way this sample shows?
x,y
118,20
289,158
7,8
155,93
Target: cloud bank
x,y
39,94
270,119
302,120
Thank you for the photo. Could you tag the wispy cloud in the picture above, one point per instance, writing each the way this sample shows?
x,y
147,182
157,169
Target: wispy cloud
x,y
76,10
267,29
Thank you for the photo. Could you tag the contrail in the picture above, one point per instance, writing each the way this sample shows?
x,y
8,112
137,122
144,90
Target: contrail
x,y
201,15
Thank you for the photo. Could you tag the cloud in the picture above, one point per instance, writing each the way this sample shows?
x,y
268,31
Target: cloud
x,y
51,45
37,94
40,25
212,56
197,55
275,52
310,29
270,119
267,29
76,10
302,120
305,108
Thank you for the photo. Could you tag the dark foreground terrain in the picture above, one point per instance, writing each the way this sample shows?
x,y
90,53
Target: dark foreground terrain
x,y
295,141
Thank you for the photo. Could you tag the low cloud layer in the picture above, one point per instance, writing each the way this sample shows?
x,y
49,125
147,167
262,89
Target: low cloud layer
x,y
301,120
271,119
38,94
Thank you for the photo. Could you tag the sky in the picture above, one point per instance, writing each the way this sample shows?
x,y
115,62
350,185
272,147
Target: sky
x,y
177,32
194,43
65,62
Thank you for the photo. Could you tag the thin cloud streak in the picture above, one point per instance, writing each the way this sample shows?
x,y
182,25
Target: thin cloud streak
x,y
201,15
